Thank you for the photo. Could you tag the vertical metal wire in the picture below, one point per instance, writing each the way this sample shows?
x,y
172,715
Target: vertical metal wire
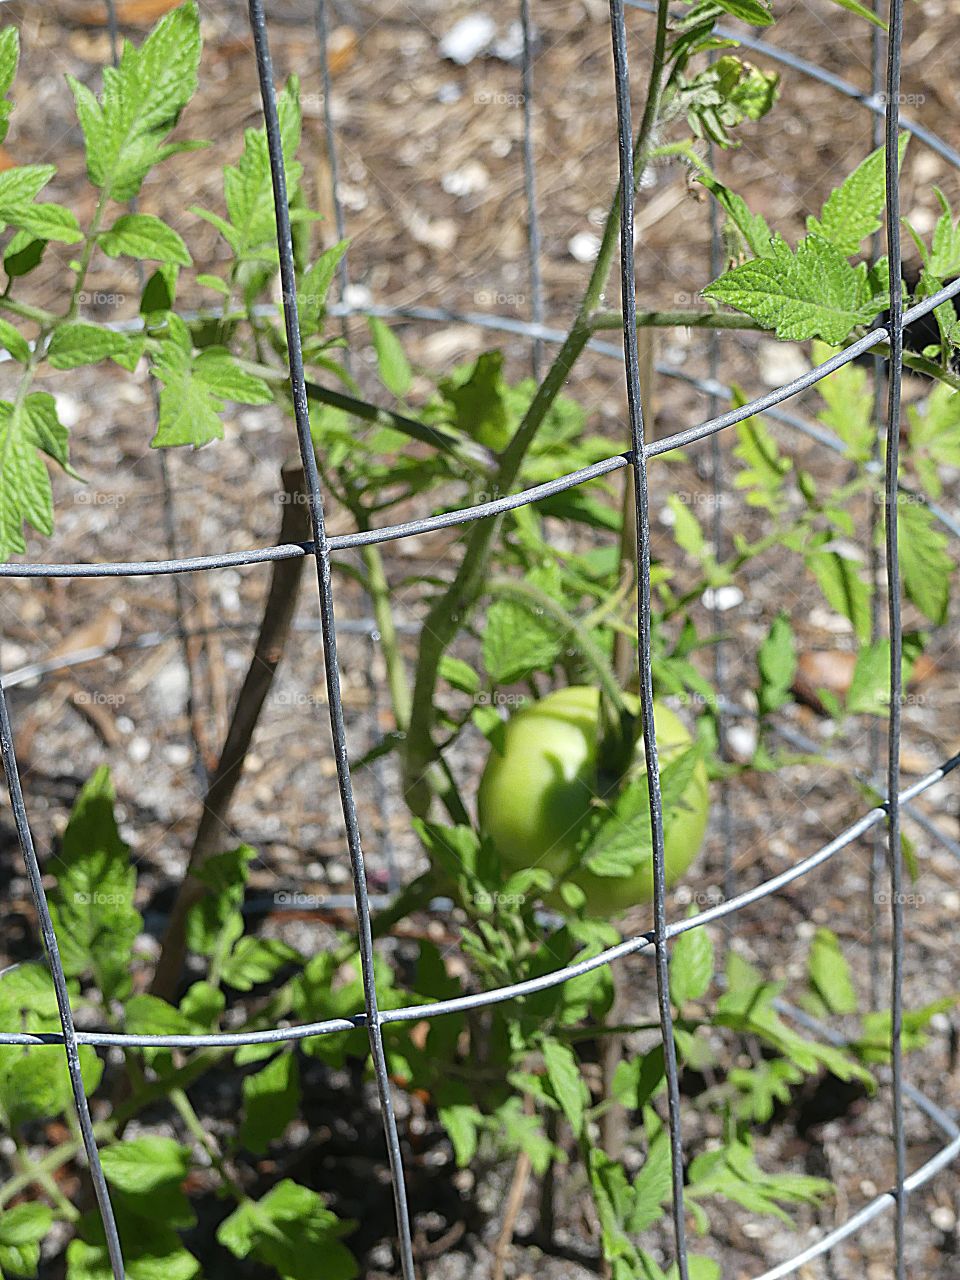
x,y
874,744
530,186
635,405
328,626
49,937
895,329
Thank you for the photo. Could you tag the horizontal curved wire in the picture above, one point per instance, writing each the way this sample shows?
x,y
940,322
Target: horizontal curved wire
x,y
509,502
530,986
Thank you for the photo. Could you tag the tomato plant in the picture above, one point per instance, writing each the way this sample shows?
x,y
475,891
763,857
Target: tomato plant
x,y
519,609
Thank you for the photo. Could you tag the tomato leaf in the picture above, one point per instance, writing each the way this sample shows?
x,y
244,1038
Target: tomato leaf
x,y
813,292
691,966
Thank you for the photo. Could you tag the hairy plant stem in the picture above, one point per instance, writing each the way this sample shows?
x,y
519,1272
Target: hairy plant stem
x,y
184,1108
45,1180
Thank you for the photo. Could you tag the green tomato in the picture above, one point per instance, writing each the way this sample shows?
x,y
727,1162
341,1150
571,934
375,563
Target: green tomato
x,y
538,792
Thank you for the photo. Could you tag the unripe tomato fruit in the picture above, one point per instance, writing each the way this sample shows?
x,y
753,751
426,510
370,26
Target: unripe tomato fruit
x,y
536,795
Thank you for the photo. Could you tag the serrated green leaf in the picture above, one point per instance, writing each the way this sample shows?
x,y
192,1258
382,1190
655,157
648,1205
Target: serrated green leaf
x,y
22,1227
517,641
849,410
149,1172
842,584
687,532
752,226
814,292
315,286
394,367
93,904
218,913
463,1124
478,400
13,341
143,236
291,1231
25,1223
623,842
250,225
141,103
925,565
45,222
566,1082
652,1187
853,210
777,665
195,387
933,439
152,1251
830,973
637,1080
271,1099
459,674
27,429
869,692
255,960
78,344
691,966
9,61
943,260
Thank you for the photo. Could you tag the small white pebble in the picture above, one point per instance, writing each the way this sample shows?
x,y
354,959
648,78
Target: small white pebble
x,y
357,296
868,1188
951,900
69,409
177,754
469,179
138,750
943,1218
12,655
742,741
467,38
780,362
124,724
584,246
449,93
806,929
722,598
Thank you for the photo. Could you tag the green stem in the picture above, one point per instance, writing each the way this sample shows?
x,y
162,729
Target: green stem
x,y
44,1179
184,1108
38,315
90,244
680,318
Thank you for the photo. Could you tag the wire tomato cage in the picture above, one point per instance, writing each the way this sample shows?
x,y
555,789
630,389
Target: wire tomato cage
x,y
883,102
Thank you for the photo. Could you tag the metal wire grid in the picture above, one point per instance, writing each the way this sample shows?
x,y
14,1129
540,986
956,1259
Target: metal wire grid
x,y
321,546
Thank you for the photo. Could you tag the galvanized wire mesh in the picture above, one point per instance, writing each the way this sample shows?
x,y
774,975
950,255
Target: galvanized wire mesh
x,y
883,101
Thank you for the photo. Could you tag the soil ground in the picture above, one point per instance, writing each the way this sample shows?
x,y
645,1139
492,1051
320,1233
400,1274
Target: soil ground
x,y
431,180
